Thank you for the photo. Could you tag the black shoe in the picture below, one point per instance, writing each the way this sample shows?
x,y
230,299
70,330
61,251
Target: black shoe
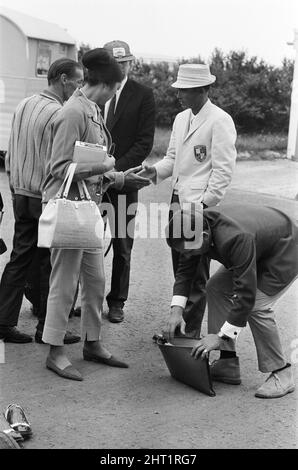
x,y
115,314
10,334
69,338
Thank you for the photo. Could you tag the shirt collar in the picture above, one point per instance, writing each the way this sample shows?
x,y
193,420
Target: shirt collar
x,y
52,95
202,110
122,85
94,108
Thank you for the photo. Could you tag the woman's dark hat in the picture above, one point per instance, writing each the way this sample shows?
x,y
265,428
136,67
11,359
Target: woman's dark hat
x,y
97,58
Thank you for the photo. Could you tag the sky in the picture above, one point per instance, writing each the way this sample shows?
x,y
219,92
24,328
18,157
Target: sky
x,y
176,28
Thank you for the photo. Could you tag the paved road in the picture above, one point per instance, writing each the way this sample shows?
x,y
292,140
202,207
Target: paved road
x,y
143,407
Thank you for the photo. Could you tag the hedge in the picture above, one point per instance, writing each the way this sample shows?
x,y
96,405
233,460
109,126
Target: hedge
x,y
257,95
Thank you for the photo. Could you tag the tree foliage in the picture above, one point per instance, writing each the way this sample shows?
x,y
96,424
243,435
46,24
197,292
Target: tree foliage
x,y
257,95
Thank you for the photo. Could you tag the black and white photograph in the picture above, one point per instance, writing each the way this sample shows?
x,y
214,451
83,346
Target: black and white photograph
x,y
149,228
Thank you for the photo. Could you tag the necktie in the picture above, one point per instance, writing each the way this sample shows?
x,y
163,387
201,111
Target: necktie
x,y
111,113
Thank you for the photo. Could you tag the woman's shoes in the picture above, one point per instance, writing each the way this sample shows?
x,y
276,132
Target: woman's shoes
x,y
17,420
69,372
111,361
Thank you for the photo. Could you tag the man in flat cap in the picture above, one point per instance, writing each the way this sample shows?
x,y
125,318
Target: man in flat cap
x,y
257,247
130,118
201,158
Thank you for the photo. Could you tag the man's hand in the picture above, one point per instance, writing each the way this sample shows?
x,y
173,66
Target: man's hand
x,y
133,180
205,345
148,172
174,320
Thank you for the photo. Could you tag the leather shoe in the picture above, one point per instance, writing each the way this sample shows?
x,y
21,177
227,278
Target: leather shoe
x,y
68,373
226,371
17,420
10,334
115,314
111,361
69,338
277,384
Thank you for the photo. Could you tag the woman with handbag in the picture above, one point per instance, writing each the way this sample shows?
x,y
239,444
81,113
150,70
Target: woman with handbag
x,y
80,120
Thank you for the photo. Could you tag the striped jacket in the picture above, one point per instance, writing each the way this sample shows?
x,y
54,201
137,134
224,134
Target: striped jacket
x,y
29,138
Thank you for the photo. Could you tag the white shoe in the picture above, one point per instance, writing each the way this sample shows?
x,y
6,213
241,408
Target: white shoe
x,y
277,384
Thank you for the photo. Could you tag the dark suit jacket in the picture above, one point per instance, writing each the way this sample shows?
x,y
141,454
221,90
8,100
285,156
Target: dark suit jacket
x,y
133,126
258,244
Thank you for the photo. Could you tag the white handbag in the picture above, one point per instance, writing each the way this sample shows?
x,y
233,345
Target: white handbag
x,y
67,224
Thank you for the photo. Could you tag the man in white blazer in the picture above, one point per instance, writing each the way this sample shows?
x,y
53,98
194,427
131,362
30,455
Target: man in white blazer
x,y
200,159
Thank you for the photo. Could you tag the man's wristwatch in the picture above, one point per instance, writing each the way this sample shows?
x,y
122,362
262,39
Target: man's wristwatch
x,y
223,336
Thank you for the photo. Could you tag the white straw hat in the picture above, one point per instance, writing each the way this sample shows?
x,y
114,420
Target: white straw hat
x,y
193,76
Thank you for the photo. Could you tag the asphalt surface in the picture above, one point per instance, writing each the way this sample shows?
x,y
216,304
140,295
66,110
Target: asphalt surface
x,y
143,407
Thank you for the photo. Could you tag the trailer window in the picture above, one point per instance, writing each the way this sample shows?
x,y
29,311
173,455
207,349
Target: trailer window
x,y
44,57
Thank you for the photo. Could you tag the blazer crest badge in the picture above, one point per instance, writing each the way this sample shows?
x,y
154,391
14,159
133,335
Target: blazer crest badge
x,y
200,152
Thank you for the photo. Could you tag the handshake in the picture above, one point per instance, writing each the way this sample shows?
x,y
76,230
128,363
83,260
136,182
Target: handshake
x,y
139,177
148,172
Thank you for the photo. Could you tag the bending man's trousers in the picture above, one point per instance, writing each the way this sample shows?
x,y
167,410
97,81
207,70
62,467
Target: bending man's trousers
x,y
261,320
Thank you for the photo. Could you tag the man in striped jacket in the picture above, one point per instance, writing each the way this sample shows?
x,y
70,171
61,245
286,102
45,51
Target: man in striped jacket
x,y
25,164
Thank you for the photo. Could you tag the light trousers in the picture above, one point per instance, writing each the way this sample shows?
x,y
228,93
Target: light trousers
x,y
261,320
69,267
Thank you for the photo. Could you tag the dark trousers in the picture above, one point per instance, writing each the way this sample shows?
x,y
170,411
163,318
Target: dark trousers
x,y
122,243
27,211
196,303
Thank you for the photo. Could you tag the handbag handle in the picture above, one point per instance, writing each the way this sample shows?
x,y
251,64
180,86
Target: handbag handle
x,y
67,181
84,193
